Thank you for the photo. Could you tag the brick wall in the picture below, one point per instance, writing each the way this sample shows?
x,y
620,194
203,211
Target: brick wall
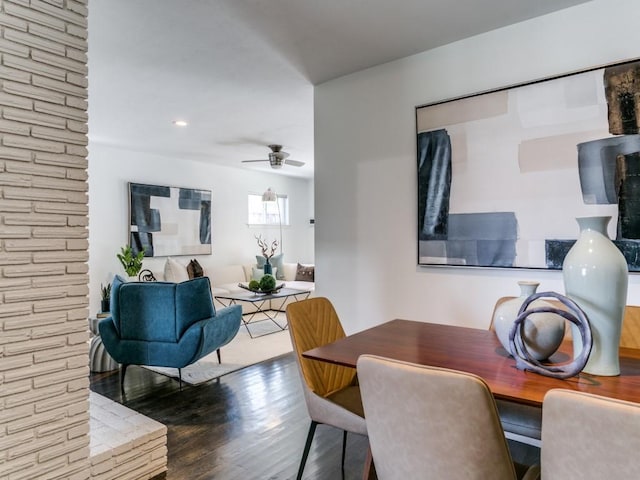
x,y
44,386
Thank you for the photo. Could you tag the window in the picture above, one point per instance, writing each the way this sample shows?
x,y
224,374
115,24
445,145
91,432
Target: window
x,y
266,213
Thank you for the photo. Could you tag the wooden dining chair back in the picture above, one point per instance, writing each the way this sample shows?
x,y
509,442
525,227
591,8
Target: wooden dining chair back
x,y
427,422
630,336
331,391
589,437
313,323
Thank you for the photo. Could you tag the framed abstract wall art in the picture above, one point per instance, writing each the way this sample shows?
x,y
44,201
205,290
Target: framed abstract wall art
x,y
167,221
502,175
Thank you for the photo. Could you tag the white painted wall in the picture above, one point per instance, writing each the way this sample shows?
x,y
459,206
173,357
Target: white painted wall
x,y
233,242
365,164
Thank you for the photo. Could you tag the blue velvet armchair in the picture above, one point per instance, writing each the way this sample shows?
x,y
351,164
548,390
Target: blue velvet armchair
x,y
165,324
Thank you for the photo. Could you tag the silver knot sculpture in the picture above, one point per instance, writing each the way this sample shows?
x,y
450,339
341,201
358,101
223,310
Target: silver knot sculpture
x,y
574,314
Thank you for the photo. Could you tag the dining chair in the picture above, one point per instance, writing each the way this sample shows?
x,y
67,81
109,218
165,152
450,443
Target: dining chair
x,y
330,391
589,437
427,422
630,336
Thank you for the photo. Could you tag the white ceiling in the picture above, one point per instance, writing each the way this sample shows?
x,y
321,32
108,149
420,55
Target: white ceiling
x,y
241,72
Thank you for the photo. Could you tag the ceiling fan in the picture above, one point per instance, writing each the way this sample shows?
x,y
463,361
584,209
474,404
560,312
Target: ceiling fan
x,y
277,158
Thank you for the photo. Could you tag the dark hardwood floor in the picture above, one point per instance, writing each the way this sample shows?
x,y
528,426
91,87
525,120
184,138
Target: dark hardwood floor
x,y
249,424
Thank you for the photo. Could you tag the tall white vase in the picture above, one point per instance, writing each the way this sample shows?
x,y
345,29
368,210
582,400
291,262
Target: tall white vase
x,y
596,276
543,332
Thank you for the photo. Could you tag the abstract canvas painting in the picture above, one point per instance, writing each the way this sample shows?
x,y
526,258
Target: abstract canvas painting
x,y
167,221
503,174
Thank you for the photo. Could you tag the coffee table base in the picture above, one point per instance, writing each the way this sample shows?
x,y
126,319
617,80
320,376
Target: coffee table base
x,y
259,303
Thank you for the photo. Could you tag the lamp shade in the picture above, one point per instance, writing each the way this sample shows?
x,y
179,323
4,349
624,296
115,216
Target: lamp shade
x,y
269,196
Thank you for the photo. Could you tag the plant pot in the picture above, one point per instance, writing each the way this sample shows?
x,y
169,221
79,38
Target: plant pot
x,y
104,305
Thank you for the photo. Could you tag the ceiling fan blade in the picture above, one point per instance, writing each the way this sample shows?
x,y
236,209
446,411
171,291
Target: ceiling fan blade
x,y
294,163
251,161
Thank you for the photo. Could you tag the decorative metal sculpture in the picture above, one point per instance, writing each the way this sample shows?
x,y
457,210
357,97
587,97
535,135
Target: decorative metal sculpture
x,y
525,361
146,275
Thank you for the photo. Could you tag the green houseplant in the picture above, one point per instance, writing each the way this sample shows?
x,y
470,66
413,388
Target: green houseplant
x,y
105,292
132,263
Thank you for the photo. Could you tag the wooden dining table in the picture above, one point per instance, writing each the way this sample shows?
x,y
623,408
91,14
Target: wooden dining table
x,y
479,352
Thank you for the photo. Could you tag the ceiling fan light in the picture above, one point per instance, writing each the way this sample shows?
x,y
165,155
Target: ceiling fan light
x,y
275,159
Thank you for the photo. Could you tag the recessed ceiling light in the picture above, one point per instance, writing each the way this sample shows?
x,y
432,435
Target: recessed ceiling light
x,y
180,123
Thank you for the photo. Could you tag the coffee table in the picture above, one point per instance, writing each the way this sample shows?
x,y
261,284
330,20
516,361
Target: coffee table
x,y
259,300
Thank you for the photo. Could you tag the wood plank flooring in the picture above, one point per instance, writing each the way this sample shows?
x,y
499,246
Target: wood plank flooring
x,y
250,424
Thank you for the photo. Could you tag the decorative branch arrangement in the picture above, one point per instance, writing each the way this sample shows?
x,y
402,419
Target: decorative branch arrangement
x,y
265,248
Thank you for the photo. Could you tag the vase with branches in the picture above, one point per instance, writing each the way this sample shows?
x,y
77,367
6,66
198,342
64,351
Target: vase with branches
x,y
268,251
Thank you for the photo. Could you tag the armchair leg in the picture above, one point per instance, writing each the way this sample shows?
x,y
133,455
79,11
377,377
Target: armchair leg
x,y
219,359
307,447
123,371
180,377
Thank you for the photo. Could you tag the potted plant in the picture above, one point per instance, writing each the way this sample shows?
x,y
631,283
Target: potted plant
x,y
131,263
105,292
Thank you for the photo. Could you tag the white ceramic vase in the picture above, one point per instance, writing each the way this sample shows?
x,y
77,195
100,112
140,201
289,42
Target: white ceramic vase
x,y
543,332
595,277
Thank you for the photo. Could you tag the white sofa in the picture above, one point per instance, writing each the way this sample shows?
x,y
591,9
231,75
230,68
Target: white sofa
x,y
225,279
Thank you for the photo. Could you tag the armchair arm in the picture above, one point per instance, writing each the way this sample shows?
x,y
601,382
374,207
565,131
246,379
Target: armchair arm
x,y
217,331
111,339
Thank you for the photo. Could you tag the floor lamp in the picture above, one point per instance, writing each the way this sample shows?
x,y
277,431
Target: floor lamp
x,y
268,197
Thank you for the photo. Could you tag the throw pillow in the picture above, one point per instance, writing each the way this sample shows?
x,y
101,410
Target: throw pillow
x,y
174,272
258,273
276,261
194,269
114,303
305,273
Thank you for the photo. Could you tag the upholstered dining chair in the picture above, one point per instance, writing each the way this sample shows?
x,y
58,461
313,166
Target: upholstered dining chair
x,y
330,391
589,437
165,324
428,422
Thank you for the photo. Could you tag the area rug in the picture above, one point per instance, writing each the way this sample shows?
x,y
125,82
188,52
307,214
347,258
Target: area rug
x,y
241,352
